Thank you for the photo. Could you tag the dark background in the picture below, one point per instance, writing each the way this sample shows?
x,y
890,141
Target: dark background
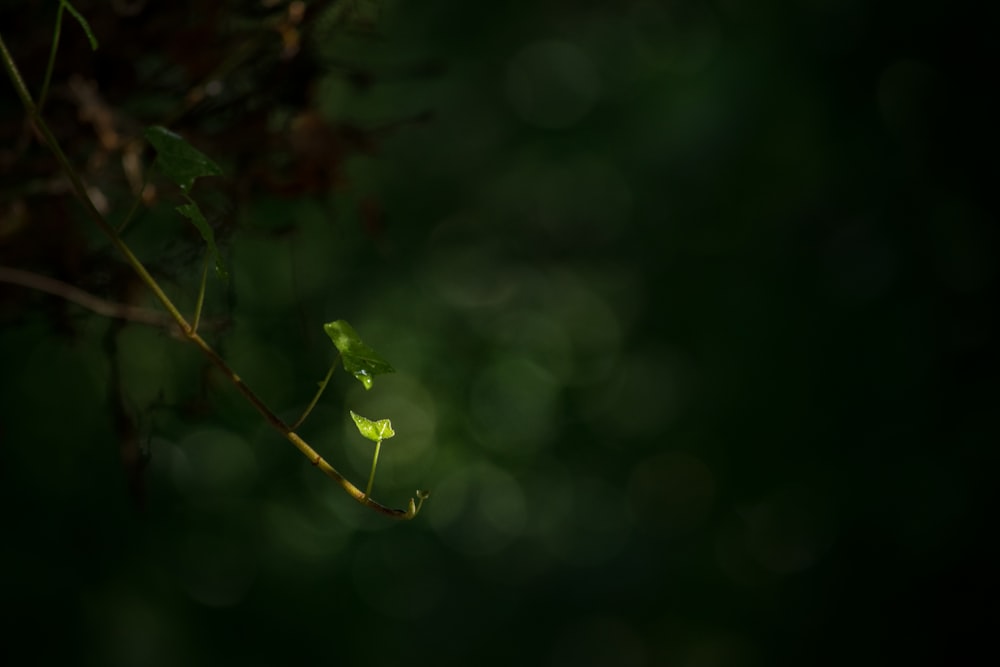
x,y
692,308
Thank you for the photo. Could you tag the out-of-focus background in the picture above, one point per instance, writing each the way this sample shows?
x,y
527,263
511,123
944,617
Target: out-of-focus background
x,y
692,306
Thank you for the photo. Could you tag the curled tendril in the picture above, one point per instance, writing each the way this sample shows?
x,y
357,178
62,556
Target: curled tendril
x,y
415,506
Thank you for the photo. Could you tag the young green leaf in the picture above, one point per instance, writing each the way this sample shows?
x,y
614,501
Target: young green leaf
x,y
376,431
194,214
359,360
179,160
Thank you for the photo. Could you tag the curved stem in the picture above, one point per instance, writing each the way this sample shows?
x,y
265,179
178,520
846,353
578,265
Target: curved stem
x,y
319,392
294,437
186,329
56,33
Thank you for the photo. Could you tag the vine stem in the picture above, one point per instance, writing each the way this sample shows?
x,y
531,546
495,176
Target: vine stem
x,y
186,329
319,392
294,437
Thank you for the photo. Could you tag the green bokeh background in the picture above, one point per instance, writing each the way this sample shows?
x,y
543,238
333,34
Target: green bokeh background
x,y
692,308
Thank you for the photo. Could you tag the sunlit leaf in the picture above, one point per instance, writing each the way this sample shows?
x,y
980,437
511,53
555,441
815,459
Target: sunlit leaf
x,y
179,160
194,214
359,360
376,431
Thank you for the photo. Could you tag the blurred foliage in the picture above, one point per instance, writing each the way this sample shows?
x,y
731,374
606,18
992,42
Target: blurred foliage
x,y
692,307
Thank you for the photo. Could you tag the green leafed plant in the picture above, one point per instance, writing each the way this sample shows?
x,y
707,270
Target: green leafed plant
x,y
376,431
183,164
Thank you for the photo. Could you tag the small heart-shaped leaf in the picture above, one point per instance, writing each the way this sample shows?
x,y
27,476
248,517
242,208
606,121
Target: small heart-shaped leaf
x,y
359,360
376,431
179,160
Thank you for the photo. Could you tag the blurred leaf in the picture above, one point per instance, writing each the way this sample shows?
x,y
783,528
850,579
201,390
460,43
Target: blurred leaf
x,y
376,431
360,360
178,159
194,214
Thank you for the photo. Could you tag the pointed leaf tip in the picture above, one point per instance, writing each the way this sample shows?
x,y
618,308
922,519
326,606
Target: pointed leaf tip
x,y
359,360
179,160
376,431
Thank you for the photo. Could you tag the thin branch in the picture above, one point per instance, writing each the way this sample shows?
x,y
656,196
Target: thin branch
x,y
319,392
80,297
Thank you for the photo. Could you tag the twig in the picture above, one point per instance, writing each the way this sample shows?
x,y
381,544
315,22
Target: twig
x,y
80,297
